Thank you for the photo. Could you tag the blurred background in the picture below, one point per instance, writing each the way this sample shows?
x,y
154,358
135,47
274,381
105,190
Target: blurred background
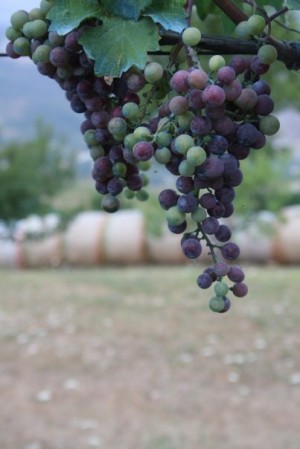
x,y
105,339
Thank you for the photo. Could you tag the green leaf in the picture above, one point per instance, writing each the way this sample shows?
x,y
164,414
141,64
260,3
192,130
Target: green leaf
x,y
293,4
66,15
128,9
119,44
277,4
170,14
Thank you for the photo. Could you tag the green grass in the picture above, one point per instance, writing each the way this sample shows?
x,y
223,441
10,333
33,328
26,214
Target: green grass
x,y
155,368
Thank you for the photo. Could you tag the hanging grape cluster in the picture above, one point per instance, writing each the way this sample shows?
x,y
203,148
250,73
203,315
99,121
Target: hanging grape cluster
x,y
198,124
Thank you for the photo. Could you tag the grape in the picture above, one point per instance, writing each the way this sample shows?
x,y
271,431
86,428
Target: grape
x,y
142,133
179,81
178,105
230,251
134,182
143,151
187,203
191,248
185,184
179,229
46,69
115,186
247,100
218,145
184,120
223,234
90,137
167,198
110,203
196,155
204,280
226,75
199,214
45,6
233,90
36,13
119,169
234,179
142,195
225,194
220,288
191,36
240,289
217,304
38,28
186,168
247,134
236,274
55,38
256,24
260,141
197,79
243,30
227,305
261,87
21,46
216,62
102,169
59,57
12,34
130,111
18,19
117,126
71,42
264,105
210,225
267,54
41,54
213,167
135,82
163,155
213,95
77,105
208,200
153,72
174,216
258,67
195,101
239,151
96,151
221,269
269,125
224,126
183,143
200,126
239,64
217,211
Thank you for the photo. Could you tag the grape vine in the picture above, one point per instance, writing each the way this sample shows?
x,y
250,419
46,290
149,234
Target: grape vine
x,y
122,67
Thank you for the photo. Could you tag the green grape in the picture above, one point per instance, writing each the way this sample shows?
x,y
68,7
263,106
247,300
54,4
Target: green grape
x,y
22,46
174,216
183,143
117,126
142,133
267,54
12,34
129,194
153,72
216,62
242,30
191,36
199,215
27,30
38,28
269,125
46,5
90,137
144,165
163,139
221,288
256,24
131,111
36,13
119,169
96,151
41,54
217,304
163,155
196,155
186,168
130,140
185,120
18,19
142,195
56,39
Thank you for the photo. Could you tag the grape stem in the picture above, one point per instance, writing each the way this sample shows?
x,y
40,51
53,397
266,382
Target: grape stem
x,y
208,243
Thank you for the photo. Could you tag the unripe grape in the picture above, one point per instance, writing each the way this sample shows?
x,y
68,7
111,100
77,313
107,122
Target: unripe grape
x,y
22,46
191,36
131,111
186,168
267,54
221,289
163,155
12,34
183,143
110,203
36,13
178,105
46,5
142,195
199,215
117,126
153,72
174,216
142,133
38,28
269,125
196,155
41,54
256,24
18,19
216,62
217,304
242,30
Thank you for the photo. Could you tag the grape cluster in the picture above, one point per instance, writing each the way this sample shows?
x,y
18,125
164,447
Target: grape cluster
x,y
199,124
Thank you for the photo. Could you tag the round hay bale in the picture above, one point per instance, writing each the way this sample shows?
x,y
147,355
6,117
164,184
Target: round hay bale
x,y
125,237
83,242
44,252
166,249
285,245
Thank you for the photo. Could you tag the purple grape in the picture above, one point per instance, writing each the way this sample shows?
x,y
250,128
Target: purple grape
x,y
200,126
86,125
260,141
100,119
208,200
258,67
239,64
236,274
261,87
187,203
167,198
185,184
233,90
179,81
234,179
77,105
230,164
191,247
143,151
173,165
226,75
239,151
135,82
47,69
211,273
115,186
197,79
264,105
230,251
215,113
229,209
210,225
178,105
195,101
204,280
217,211
101,187
134,182
116,153
102,169
213,95
221,268
84,89
218,145
213,167
59,57
223,234
240,289
227,305
224,126
177,229
225,194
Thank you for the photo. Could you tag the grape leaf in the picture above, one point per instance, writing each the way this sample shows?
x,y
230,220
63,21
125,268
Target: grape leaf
x,y
119,44
65,15
128,9
293,4
170,14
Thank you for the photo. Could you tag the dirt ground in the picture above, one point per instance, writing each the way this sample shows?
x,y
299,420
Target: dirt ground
x,y
132,358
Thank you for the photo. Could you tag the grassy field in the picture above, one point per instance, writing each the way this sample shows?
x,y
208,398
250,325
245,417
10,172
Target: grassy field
x,y
132,358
